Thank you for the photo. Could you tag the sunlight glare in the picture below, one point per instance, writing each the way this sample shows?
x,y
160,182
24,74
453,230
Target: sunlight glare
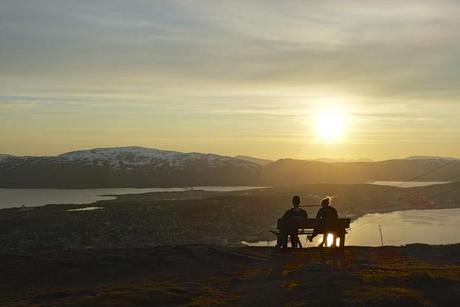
x,y
330,124
330,240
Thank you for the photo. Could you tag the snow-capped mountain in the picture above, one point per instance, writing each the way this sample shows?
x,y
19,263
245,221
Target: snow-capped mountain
x,y
141,156
147,167
125,166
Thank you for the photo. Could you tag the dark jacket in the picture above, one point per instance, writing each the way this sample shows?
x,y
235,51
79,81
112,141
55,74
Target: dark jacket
x,y
292,219
326,218
327,213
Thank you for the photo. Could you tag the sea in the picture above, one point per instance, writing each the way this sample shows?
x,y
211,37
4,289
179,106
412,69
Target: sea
x,y
434,226
11,198
439,226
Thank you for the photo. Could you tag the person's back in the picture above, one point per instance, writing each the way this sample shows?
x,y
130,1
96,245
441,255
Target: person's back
x,y
325,217
289,223
327,213
295,217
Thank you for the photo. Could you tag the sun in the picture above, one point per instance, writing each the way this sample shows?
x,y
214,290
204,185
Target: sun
x,y
330,124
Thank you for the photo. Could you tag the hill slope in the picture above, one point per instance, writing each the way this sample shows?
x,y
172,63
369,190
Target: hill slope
x,y
416,275
147,167
125,167
291,172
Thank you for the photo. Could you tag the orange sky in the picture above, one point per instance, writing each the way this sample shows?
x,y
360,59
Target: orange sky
x,y
231,77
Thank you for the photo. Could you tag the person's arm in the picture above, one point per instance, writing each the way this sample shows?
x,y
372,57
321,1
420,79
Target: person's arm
x,y
285,215
319,215
282,221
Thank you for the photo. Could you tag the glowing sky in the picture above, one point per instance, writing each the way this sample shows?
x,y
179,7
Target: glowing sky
x,y
230,77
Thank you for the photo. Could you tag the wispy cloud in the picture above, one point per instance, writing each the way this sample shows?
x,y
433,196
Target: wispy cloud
x,y
395,65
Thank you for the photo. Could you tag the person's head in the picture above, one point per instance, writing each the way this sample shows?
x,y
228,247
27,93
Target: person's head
x,y
325,201
296,201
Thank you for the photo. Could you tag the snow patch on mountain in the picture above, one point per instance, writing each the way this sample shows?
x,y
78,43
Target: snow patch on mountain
x,y
141,156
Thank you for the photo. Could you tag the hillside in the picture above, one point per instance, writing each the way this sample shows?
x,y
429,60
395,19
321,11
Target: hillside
x,y
182,248
147,167
289,171
192,275
262,162
125,167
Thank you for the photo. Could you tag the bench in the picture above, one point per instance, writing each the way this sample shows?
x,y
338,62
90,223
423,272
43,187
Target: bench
x,y
338,228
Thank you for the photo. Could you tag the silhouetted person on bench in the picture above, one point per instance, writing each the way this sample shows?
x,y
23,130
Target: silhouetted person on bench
x,y
290,222
326,215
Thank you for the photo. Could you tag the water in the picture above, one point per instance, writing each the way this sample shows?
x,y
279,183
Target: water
x,y
10,198
439,226
86,209
408,184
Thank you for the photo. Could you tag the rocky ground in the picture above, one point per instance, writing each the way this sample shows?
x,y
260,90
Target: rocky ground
x,y
414,275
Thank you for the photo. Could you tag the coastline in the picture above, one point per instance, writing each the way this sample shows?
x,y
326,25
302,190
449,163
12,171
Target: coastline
x,y
152,219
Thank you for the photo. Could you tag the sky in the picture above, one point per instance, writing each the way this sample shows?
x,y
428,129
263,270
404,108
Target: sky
x,y
231,77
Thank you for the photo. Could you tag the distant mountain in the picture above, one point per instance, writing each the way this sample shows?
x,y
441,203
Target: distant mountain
x,y
296,172
430,158
3,157
147,167
125,167
262,162
341,160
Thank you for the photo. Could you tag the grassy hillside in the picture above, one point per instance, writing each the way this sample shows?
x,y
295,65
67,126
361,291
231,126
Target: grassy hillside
x,y
192,275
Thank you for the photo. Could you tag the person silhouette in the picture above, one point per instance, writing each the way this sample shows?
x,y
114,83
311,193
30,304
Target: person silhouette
x,y
290,222
326,215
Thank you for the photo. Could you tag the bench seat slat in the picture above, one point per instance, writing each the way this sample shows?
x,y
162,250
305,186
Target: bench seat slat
x,y
309,225
339,223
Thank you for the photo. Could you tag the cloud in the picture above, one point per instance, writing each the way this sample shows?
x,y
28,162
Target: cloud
x,y
392,62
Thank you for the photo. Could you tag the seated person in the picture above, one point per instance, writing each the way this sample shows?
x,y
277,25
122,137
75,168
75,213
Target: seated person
x,y
290,222
324,216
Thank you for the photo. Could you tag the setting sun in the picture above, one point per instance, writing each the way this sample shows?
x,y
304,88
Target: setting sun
x,y
330,124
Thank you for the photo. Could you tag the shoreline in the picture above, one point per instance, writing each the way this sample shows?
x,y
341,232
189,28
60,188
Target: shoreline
x,y
202,217
179,189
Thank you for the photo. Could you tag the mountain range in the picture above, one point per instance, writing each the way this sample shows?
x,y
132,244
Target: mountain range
x,y
147,167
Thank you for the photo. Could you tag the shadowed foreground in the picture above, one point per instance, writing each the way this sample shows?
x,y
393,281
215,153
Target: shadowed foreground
x,y
208,275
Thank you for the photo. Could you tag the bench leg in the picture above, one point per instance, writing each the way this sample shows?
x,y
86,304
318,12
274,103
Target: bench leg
x,y
295,241
298,244
342,240
324,242
342,250
282,240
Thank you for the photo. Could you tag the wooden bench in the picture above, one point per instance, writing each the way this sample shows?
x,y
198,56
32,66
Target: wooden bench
x,y
338,228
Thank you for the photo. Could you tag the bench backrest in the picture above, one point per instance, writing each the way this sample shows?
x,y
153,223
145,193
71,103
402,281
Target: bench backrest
x,y
341,223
